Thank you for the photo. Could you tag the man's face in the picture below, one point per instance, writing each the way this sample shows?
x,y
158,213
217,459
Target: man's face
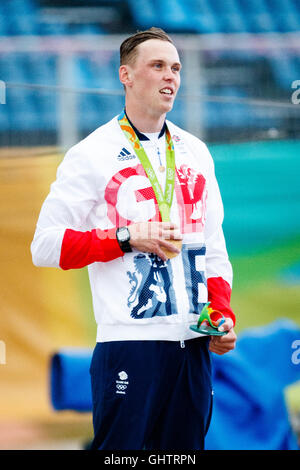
x,y
155,76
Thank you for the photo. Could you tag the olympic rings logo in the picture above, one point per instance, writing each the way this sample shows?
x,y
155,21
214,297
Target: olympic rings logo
x,y
121,387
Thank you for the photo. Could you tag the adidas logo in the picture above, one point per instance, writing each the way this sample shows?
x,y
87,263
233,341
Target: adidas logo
x,y
125,155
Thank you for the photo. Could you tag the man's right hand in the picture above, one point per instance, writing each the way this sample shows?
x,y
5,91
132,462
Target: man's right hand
x,y
151,237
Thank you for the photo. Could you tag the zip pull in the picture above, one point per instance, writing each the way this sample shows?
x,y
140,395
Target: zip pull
x,y
182,344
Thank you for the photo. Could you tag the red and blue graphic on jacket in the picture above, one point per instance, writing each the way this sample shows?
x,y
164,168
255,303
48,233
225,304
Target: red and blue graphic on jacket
x,y
123,198
151,283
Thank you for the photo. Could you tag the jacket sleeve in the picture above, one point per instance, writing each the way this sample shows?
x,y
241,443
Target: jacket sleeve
x,y
59,240
218,267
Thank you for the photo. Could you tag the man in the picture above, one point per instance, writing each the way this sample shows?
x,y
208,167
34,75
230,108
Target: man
x,y
137,201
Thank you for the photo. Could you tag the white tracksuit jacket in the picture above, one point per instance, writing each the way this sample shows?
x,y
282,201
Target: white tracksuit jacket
x,y
101,185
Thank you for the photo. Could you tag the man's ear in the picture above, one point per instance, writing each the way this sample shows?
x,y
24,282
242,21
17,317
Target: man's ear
x,y
125,75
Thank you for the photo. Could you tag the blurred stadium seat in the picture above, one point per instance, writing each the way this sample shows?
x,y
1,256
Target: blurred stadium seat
x,y
28,18
253,16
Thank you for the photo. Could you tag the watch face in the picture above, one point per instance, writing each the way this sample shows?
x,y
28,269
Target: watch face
x,y
123,234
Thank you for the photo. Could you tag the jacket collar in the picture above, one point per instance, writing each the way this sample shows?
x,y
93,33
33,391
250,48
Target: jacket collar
x,y
141,136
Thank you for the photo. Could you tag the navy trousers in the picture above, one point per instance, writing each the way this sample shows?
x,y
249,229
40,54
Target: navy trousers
x,y
153,395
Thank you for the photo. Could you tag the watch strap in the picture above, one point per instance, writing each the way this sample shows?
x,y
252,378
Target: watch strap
x,y
124,244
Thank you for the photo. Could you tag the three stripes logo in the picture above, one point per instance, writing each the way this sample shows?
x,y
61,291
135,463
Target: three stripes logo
x,y
125,155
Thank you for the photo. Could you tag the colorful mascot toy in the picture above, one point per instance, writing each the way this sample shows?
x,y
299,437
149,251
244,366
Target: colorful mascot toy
x,y
209,321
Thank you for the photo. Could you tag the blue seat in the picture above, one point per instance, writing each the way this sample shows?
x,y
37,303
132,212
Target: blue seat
x,y
45,104
285,69
22,67
287,22
177,114
236,115
20,24
181,19
281,6
88,111
45,111
83,73
22,111
232,23
22,7
296,5
4,118
11,68
260,23
219,7
85,29
143,13
3,25
20,16
94,110
296,61
51,29
200,17
42,69
207,24
251,6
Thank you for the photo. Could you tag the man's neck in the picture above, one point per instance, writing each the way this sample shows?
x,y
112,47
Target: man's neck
x,y
142,136
145,123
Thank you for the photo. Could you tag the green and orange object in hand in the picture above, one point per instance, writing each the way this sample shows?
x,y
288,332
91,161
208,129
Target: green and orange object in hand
x,y
206,324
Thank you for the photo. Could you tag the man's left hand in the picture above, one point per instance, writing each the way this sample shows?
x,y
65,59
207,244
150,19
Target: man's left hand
x,y
222,344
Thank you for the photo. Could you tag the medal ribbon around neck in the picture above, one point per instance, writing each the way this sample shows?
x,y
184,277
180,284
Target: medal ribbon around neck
x,y
164,201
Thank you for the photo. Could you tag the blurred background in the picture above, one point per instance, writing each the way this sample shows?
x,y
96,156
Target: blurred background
x,y
240,93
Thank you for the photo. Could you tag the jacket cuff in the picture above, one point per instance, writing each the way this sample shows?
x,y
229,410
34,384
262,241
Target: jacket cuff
x,y
80,249
219,294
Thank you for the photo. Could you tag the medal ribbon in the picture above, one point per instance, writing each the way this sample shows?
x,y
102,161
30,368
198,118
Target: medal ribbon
x,y
164,200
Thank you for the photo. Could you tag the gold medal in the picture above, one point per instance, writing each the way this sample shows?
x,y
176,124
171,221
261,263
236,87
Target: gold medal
x,y
161,168
172,254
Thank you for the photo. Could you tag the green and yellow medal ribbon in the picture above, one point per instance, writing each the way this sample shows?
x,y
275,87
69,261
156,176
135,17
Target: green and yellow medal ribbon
x,y
164,200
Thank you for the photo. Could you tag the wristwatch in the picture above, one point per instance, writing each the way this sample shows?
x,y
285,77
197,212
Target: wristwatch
x,y
123,237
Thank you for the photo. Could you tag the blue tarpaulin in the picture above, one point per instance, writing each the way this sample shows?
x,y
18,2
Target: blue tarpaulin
x,y
70,386
249,411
